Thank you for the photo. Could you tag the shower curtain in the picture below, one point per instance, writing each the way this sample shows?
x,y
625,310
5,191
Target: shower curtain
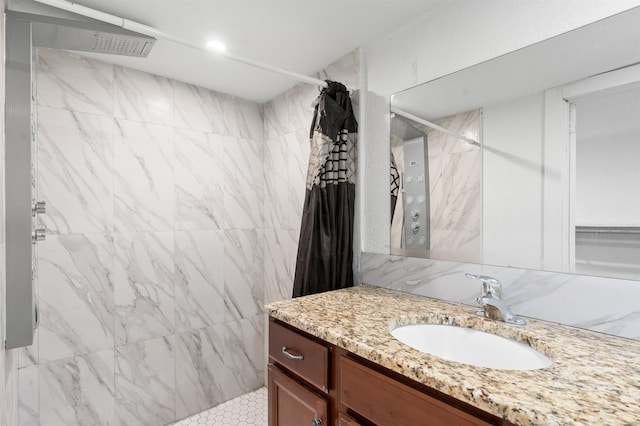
x,y
325,248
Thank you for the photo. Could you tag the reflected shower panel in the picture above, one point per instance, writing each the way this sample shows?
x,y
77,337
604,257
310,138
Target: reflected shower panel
x,y
416,194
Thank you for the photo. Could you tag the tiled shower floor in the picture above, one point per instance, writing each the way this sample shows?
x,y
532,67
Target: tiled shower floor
x,y
246,410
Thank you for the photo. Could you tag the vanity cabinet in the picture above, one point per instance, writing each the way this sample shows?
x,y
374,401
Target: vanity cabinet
x,y
298,378
314,383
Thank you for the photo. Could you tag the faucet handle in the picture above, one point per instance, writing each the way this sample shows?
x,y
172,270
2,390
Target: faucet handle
x,y
490,286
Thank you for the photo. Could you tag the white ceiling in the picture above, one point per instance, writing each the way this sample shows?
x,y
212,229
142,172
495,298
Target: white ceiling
x,y
299,35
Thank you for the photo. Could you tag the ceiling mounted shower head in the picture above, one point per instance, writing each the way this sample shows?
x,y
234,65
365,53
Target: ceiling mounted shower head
x,y
85,35
119,45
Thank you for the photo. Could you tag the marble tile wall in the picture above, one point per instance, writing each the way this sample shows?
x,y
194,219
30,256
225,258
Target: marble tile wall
x,y
455,183
151,276
287,119
605,305
8,358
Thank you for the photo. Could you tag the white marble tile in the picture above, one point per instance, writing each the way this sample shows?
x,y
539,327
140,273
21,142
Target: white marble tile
x,y
243,273
440,185
298,144
455,197
145,382
202,378
199,177
199,278
464,245
467,124
199,109
144,286
243,184
75,295
9,393
141,96
276,184
144,177
469,184
69,81
29,401
280,250
545,295
439,279
75,171
11,387
246,357
276,118
78,390
300,106
28,355
537,294
243,119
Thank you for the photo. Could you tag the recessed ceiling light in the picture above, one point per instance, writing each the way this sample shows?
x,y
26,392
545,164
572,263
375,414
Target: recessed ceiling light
x,y
216,45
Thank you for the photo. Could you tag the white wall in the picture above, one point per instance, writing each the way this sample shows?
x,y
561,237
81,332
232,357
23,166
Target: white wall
x,y
512,182
458,35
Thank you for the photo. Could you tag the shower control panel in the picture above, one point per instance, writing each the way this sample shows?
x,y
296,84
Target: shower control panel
x,y
39,208
39,234
416,187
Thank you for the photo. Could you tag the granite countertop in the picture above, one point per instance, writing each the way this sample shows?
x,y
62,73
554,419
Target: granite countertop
x,y
594,379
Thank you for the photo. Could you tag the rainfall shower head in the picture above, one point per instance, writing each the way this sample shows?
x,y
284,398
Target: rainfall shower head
x,y
85,35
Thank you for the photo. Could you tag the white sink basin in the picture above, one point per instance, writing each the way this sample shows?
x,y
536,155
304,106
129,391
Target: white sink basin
x,y
470,346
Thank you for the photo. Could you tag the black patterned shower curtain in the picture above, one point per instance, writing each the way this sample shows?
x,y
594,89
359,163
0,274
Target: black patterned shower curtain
x,y
325,248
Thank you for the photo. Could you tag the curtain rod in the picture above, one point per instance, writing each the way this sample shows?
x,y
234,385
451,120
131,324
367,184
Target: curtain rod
x,y
153,32
419,120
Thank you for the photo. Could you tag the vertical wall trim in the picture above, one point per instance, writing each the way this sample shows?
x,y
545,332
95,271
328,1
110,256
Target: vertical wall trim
x,y
358,237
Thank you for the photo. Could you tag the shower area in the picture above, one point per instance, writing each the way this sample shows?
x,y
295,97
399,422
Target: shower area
x,y
436,184
161,234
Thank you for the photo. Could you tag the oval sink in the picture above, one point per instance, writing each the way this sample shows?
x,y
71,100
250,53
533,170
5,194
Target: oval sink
x,y
470,346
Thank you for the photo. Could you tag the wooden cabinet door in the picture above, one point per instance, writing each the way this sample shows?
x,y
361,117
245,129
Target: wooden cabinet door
x,y
291,404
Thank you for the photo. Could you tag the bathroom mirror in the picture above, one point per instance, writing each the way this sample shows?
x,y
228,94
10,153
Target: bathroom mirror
x,y
552,181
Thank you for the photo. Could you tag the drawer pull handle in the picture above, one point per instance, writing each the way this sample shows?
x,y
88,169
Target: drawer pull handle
x,y
289,355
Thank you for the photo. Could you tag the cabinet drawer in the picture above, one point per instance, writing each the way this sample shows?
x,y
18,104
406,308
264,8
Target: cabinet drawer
x,y
344,420
387,402
291,404
300,355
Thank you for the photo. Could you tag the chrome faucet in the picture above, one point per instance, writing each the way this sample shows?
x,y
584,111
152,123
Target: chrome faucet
x,y
492,303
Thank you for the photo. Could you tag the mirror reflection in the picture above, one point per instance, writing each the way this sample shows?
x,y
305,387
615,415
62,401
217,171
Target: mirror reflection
x,y
438,203
528,160
607,183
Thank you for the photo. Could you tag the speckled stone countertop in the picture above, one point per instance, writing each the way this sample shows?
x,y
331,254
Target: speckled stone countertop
x,y
594,379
